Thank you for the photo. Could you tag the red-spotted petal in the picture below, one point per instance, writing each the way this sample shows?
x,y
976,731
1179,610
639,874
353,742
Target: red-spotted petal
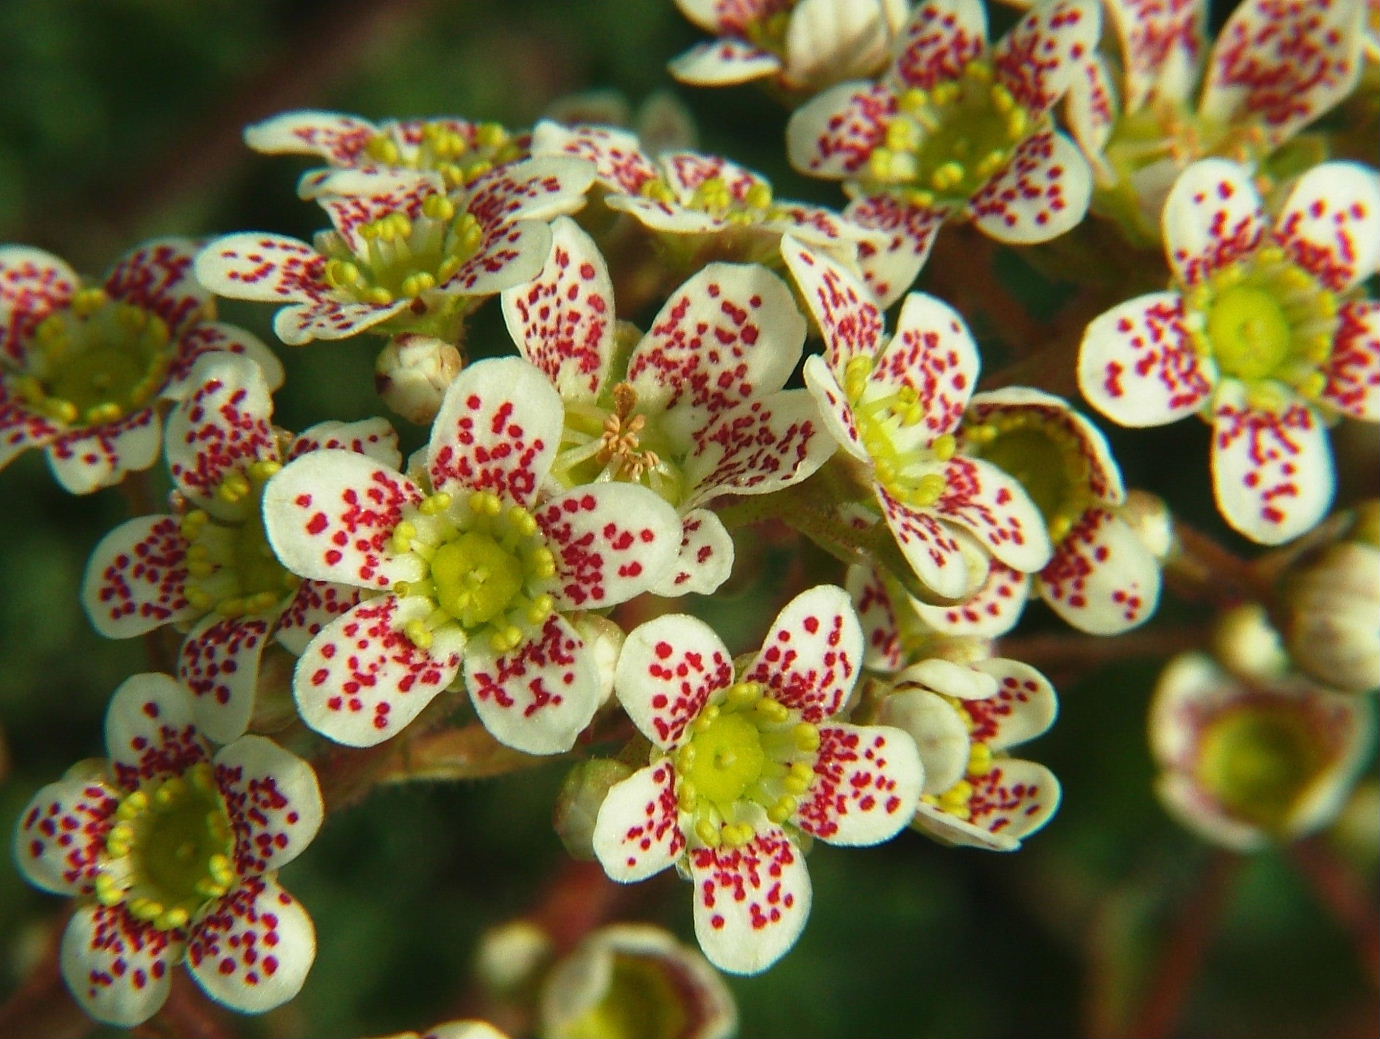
x,y
89,459
1353,369
562,321
1138,365
891,262
1102,579
611,541
497,431
219,663
361,680
877,615
705,560
252,949
1162,46
1212,218
1042,192
729,334
1040,57
1009,803
373,437
157,276
331,319
20,428
1330,224
991,611
315,604
149,730
936,728
931,548
866,786
933,355
619,162
810,658
355,197
670,218
273,801
267,268
751,902
685,171
997,509
848,315
1283,64
535,189
540,696
33,284
223,427
1090,111
136,577
214,337
774,442
117,967
834,134
938,42
833,407
61,836
720,63
1272,471
1024,705
339,139
330,515
668,670
637,833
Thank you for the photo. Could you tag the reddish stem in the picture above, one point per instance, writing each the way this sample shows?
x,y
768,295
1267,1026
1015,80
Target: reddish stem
x,y
1346,897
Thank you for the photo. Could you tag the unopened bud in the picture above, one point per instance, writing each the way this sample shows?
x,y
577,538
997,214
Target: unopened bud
x,y
510,955
578,803
1330,613
1151,520
412,374
1248,645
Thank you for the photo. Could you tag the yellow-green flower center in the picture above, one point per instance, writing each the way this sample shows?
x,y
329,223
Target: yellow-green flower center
x,y
170,850
943,144
891,424
642,1000
402,257
716,196
448,152
1045,455
769,30
230,567
1266,322
612,440
490,568
1260,762
745,749
96,360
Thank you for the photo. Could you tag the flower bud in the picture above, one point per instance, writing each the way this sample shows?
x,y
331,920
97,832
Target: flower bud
x,y
1150,518
1330,612
1248,645
577,805
510,955
631,980
412,373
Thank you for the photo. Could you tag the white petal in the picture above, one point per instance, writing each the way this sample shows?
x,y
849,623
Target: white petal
x,y
721,63
637,833
1043,192
118,968
992,610
848,316
1102,579
1212,218
811,655
88,460
60,839
705,560
1022,707
866,787
669,669
274,803
937,730
149,732
1353,370
1330,224
219,663
996,509
136,576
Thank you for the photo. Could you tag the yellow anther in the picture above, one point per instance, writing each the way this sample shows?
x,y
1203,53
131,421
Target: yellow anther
x,y
173,919
944,446
743,694
686,797
415,284
758,197
979,759
901,135
914,101
491,135
87,301
433,505
947,176
657,190
418,634
522,520
100,414
378,295
439,207
685,758
928,490
708,833
706,717
476,169
782,810
772,710
806,736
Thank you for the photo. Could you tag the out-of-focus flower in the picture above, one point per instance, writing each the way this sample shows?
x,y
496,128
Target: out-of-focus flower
x,y
479,564
1266,334
210,567
1247,762
172,852
745,763
895,406
954,130
84,369
631,980
661,123
804,45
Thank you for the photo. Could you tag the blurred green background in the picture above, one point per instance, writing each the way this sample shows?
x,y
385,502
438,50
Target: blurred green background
x,y
122,120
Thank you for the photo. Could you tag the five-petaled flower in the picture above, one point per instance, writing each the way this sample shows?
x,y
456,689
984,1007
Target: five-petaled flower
x,y
745,762
479,564
955,131
699,412
804,45
172,851
405,255
83,369
210,566
1266,334
895,406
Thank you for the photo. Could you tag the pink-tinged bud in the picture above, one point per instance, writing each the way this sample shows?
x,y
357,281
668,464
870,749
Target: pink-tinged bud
x,y
578,803
412,373
631,980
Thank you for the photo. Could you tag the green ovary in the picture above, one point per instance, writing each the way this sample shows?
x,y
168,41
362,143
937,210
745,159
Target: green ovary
x,y
1045,457
642,1002
170,849
402,257
96,361
231,568
745,749
1259,763
1265,320
476,579
946,143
